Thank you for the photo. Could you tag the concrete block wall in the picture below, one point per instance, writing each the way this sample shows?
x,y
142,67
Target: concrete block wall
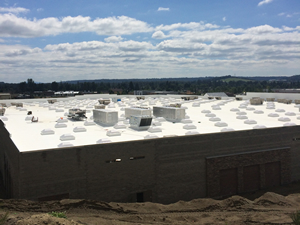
x,y
171,169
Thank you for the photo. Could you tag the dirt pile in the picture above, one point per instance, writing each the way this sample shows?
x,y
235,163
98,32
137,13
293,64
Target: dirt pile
x,y
270,208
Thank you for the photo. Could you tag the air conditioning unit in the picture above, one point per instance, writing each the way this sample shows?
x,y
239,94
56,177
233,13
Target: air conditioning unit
x,y
137,111
105,117
140,122
172,114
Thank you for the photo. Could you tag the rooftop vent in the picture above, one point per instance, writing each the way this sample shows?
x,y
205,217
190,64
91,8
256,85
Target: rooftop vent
x,y
284,119
67,137
216,108
289,124
192,132
259,127
154,129
250,122
205,111
279,110
120,126
221,124
59,110
273,115
65,144
189,126
62,120
243,106
103,141
60,125
156,123
47,132
242,117
186,121
79,129
196,104
290,114
259,112
227,129
28,118
214,119
111,133
234,110
151,136
210,115
250,108
241,113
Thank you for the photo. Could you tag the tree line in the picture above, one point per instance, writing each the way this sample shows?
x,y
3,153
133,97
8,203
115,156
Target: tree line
x,y
199,87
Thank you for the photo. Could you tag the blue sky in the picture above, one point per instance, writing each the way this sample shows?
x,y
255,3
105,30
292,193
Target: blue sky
x,y
69,40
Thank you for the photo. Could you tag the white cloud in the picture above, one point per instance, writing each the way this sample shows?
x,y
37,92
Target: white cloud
x,y
13,26
158,35
281,14
224,18
192,25
40,10
15,10
163,9
264,2
113,39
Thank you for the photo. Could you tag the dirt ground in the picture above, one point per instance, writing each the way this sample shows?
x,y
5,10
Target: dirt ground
x,y
257,208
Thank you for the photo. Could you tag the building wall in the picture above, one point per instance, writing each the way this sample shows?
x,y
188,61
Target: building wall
x,y
9,163
160,170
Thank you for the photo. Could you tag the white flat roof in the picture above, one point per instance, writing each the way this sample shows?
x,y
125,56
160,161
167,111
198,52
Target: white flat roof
x,y
27,134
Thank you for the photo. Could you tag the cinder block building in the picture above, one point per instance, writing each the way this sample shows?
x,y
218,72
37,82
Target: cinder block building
x,y
208,158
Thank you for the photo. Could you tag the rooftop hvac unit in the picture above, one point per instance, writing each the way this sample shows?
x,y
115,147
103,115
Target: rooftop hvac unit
x,y
137,111
99,106
104,101
105,117
77,114
140,122
169,113
256,101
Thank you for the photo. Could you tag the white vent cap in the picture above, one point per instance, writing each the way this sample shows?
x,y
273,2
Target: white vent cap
x,y
214,119
227,129
103,140
150,136
259,127
186,121
242,117
290,114
234,110
192,132
60,125
154,129
205,111
113,133
189,126
79,129
89,123
279,110
273,115
3,118
289,124
284,119
65,144
66,137
250,122
259,112
120,126
221,124
241,113
210,115
47,131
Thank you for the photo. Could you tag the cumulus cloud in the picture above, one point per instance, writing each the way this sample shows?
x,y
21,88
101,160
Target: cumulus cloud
x,y
113,39
15,10
264,2
158,35
13,26
40,9
224,18
200,47
163,9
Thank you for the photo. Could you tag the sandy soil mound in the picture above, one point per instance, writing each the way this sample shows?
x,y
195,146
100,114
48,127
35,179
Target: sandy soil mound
x,y
270,208
44,219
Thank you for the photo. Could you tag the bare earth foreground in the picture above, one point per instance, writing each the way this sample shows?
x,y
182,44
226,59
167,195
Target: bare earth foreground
x,y
270,208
